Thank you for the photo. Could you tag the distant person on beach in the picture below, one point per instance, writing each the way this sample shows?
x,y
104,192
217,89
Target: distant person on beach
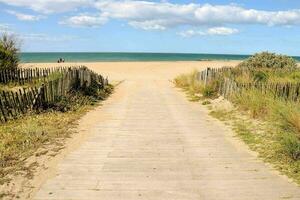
x,y
60,60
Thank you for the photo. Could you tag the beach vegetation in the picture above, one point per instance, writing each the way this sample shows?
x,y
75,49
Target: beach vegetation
x,y
38,133
39,120
195,88
269,60
272,127
9,52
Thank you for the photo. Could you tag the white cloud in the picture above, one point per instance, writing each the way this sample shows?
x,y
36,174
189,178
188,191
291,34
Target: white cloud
x,y
162,15
231,14
191,33
50,6
24,17
147,25
145,10
221,31
46,37
85,21
148,15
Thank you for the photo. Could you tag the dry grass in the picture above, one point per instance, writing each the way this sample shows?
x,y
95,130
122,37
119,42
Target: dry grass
x,y
194,88
20,138
272,128
281,149
26,136
254,102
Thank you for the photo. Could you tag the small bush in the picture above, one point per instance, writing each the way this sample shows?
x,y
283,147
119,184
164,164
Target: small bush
x,y
9,52
260,76
269,60
291,145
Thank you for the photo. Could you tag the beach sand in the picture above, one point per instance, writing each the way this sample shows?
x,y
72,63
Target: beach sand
x,y
117,71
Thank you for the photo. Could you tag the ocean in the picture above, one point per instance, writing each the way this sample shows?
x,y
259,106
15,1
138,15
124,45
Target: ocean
x,y
97,57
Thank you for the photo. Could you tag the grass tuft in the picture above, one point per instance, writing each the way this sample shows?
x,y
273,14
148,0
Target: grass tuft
x,y
291,145
272,127
23,137
195,89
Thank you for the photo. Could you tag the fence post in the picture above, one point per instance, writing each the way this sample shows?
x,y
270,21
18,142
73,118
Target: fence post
x,y
207,74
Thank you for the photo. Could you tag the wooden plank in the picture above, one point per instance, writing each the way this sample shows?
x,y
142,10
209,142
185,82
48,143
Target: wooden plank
x,y
2,108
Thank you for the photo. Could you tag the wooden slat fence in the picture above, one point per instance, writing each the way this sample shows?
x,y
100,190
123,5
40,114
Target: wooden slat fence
x,y
228,86
16,103
21,76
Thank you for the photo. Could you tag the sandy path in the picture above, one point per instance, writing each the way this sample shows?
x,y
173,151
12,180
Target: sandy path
x,y
149,142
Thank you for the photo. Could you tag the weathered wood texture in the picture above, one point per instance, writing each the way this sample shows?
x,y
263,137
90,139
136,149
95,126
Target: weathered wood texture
x,y
22,76
228,86
16,103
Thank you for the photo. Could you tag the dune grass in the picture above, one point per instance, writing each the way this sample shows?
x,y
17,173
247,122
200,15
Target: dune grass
x,y
194,88
26,136
273,128
22,137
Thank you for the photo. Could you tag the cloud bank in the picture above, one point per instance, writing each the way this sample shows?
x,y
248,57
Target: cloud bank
x,y
162,15
148,15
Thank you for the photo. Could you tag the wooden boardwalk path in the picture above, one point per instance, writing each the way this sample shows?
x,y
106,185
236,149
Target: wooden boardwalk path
x,y
148,142
151,143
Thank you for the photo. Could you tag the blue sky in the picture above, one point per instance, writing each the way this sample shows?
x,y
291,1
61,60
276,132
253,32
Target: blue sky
x,y
198,26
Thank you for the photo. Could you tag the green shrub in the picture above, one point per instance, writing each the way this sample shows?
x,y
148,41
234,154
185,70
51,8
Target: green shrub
x,y
9,52
291,145
269,60
260,76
